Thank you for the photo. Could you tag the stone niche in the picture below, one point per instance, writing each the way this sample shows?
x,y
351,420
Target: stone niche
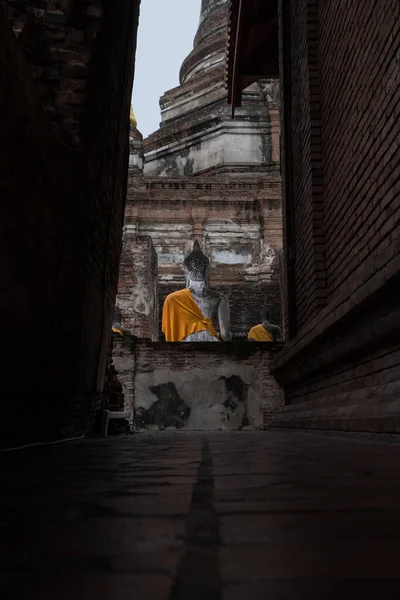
x,y
204,386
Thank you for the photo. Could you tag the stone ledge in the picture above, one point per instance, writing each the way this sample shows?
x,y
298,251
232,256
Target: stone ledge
x,y
238,347
221,182
363,436
368,424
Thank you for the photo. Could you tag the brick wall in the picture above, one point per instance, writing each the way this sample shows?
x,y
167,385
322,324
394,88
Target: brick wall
x,y
205,385
124,362
360,101
58,39
308,244
138,286
247,300
340,74
344,142
351,377
62,217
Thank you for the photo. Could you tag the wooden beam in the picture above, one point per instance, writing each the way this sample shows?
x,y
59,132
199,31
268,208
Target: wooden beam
x,y
236,57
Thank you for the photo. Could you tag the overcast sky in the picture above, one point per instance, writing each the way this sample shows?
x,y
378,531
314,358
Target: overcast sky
x,y
165,38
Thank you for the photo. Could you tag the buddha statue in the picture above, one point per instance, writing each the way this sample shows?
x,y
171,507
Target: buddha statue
x,y
266,331
187,314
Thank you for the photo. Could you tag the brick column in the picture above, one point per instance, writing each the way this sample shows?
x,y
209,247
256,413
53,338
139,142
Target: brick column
x,y
138,286
304,259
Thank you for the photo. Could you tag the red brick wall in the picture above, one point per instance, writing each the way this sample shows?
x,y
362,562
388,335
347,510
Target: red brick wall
x,y
247,300
360,101
62,217
351,380
138,287
342,212
344,134
58,39
308,244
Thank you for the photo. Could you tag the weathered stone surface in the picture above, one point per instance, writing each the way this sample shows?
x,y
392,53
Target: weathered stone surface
x,y
205,386
169,410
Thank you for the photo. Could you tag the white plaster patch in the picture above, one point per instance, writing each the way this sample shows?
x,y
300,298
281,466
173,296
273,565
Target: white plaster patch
x,y
268,254
229,257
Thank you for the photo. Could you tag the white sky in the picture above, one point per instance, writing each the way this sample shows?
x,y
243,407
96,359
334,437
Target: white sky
x,y
165,38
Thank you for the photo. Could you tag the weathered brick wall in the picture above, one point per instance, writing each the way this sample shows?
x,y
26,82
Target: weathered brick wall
x,y
344,142
287,255
308,248
360,99
205,385
52,38
247,300
58,39
138,286
105,135
351,377
124,362
340,68
62,217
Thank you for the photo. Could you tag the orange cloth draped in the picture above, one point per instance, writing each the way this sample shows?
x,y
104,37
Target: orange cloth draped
x,y
182,317
259,334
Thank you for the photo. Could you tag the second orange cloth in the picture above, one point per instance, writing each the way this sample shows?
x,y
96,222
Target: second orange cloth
x,y
259,334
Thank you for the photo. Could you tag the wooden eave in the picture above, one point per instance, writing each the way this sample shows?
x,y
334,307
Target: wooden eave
x,y
253,47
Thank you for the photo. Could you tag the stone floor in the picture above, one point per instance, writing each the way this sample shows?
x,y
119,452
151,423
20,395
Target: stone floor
x,y
189,516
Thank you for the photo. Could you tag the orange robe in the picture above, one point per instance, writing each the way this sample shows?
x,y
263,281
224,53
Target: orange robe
x,y
182,317
259,334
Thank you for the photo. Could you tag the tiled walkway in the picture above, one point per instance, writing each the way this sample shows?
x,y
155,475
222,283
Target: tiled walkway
x,y
188,516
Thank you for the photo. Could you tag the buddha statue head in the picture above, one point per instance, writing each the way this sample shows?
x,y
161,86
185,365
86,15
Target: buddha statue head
x,y
196,264
265,314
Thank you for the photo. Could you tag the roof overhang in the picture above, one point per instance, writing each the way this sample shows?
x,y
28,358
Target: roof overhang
x,y
253,46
